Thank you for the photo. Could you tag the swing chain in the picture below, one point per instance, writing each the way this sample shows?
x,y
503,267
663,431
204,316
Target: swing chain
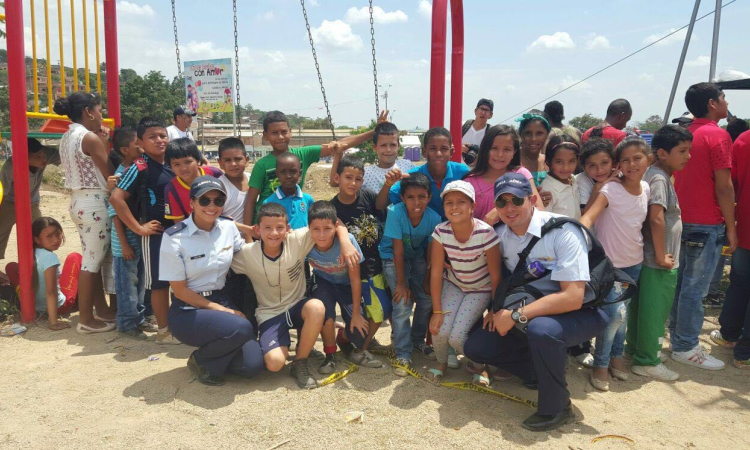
x,y
238,106
317,67
176,44
374,63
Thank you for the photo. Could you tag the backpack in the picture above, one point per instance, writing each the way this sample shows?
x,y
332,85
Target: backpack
x,y
468,124
518,289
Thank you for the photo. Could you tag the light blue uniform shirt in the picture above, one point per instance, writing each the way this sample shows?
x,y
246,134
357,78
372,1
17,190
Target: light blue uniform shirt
x,y
455,171
297,206
415,239
202,258
563,251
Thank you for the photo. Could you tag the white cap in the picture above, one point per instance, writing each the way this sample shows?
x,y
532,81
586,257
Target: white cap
x,y
459,186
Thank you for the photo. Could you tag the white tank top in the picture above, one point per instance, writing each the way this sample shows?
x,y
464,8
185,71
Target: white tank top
x,y
80,170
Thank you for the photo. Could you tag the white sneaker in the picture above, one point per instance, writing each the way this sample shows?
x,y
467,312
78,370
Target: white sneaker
x,y
658,372
166,338
697,357
586,360
453,362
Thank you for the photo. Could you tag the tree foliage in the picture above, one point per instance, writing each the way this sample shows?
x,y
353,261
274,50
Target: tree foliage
x,y
151,95
585,121
651,124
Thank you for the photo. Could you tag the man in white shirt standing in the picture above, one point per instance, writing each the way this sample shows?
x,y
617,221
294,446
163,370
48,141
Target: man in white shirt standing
x,y
182,118
473,131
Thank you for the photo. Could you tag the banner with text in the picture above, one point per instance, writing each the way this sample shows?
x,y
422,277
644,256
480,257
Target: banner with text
x,y
208,85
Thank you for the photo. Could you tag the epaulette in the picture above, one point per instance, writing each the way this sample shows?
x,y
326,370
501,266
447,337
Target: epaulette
x,y
176,228
226,218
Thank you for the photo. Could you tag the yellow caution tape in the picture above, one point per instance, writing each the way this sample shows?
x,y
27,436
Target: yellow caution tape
x,y
409,369
389,353
464,386
612,436
336,376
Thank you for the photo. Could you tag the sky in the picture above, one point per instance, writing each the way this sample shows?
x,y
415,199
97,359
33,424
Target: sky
x,y
516,53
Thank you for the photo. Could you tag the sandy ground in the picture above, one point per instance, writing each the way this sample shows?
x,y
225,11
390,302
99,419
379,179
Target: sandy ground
x,y
64,390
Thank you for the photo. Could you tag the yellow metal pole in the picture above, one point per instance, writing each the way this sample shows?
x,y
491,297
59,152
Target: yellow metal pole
x,y
73,30
85,48
62,59
96,39
34,67
50,92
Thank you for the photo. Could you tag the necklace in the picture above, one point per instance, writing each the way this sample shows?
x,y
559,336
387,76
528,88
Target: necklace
x,y
278,263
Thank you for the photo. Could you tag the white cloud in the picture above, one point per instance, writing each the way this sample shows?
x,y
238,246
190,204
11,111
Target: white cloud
x,y
561,40
570,81
337,34
598,43
425,8
268,15
677,37
645,77
314,3
354,15
276,58
128,8
510,88
701,61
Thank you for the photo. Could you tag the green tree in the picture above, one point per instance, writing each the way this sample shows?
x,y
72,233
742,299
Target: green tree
x,y
366,152
151,95
651,124
585,121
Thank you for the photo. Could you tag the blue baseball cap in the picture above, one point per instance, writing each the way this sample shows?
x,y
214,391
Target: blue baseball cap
x,y
204,184
512,183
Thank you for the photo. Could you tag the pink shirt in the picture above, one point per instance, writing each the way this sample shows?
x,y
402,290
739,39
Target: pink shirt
x,y
485,192
696,183
619,225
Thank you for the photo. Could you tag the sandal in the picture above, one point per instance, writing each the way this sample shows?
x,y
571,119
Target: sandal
x,y
85,329
481,380
102,319
435,376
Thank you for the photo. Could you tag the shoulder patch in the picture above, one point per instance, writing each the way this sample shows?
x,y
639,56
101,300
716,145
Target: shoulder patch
x,y
226,218
176,228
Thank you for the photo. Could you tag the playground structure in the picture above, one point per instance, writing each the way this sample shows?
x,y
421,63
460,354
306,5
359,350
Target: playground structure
x,y
19,115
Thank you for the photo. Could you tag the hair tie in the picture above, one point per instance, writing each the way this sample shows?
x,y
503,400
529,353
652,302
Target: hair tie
x,y
567,143
528,117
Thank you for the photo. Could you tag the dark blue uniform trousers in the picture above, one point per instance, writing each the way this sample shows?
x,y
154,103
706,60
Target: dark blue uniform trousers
x,y
540,354
226,342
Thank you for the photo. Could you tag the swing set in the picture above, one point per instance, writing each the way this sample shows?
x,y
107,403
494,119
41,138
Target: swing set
x,y
55,125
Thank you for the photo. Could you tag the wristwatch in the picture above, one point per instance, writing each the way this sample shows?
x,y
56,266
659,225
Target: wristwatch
x,y
518,317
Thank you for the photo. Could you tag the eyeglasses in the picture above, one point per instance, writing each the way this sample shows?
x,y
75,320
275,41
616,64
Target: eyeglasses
x,y
517,201
218,201
487,110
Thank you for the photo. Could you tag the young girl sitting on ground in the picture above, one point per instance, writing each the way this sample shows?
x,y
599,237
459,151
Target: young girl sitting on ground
x,y
619,212
461,293
562,159
55,291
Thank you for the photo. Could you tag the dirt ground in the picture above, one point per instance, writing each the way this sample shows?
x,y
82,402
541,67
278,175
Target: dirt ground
x,y
64,390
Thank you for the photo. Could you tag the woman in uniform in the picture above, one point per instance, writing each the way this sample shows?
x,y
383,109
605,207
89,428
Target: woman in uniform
x,y
195,257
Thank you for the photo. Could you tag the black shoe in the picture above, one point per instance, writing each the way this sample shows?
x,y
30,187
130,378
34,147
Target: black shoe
x,y
200,372
328,366
346,347
713,301
537,422
301,373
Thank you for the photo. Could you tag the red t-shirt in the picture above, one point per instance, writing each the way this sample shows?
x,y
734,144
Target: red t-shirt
x,y
696,183
177,195
741,181
608,132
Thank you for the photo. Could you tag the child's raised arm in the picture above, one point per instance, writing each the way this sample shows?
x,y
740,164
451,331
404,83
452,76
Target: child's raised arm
x,y
337,155
50,280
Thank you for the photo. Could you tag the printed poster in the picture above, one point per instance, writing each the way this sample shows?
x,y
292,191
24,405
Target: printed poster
x,y
208,85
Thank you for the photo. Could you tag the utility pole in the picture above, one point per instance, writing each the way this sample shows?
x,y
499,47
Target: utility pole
x,y
385,95
715,42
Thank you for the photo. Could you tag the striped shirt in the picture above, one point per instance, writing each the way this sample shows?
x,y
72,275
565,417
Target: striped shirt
x,y
468,260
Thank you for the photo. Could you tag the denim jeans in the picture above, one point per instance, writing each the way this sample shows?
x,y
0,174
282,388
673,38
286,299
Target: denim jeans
x,y
406,336
735,317
610,343
713,289
130,283
699,254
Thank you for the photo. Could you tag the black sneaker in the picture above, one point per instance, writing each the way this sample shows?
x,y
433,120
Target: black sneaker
x,y
135,333
377,347
426,350
328,366
538,422
346,347
202,374
713,301
301,373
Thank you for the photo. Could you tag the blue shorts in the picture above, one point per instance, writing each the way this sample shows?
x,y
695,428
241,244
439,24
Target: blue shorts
x,y
151,247
330,294
274,332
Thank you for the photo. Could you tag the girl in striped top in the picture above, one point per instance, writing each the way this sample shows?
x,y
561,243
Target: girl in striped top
x,y
462,292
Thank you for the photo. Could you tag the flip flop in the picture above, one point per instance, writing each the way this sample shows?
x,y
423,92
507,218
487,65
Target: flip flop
x,y
85,329
481,380
434,376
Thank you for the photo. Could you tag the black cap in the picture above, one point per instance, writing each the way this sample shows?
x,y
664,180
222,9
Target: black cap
x,y
487,102
206,183
180,110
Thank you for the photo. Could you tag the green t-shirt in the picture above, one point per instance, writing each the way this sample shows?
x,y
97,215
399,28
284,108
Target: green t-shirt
x,y
264,179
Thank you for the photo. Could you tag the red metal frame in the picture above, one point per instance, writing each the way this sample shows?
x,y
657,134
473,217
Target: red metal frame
x,y
19,129
437,69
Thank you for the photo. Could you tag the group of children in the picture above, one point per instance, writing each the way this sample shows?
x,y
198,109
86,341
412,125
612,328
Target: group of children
x,y
422,238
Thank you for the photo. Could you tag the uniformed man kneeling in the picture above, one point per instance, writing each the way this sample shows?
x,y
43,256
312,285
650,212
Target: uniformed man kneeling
x,y
556,321
195,257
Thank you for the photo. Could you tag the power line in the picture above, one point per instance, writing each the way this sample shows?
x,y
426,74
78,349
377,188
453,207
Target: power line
x,y
337,104
613,64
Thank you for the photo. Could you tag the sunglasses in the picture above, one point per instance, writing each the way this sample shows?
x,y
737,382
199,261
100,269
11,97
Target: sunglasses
x,y
517,201
218,201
